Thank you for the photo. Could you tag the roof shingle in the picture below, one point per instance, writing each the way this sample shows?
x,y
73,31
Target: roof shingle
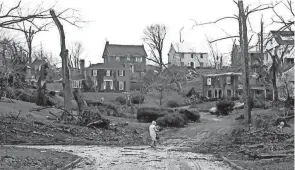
x,y
125,50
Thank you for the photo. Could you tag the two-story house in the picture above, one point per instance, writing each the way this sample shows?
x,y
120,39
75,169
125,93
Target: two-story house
x,y
223,85
132,57
279,40
109,76
184,54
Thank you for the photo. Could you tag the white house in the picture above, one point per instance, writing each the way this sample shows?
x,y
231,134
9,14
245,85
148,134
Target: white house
x,y
280,39
184,54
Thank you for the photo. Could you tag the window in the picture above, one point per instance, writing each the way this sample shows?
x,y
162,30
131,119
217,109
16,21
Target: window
x,y
132,68
228,93
209,94
201,55
94,72
76,84
138,59
208,81
121,72
121,85
228,80
117,59
192,55
128,58
108,73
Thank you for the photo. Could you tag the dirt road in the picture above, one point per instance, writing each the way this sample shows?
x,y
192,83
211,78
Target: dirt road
x,y
139,158
164,157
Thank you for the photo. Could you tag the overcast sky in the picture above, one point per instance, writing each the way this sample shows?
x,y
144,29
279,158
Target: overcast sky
x,y
123,22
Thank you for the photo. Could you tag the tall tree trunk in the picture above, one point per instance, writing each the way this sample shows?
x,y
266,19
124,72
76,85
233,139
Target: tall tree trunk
x,y
80,101
65,69
244,52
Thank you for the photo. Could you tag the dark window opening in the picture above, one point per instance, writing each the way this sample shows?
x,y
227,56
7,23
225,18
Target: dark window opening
x,y
209,93
228,93
192,55
201,56
192,65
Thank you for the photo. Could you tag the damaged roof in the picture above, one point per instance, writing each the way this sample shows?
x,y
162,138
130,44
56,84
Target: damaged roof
x,y
284,37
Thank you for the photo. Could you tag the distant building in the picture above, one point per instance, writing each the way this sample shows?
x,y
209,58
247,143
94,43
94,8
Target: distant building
x,y
227,85
132,57
77,76
183,54
280,39
221,85
109,76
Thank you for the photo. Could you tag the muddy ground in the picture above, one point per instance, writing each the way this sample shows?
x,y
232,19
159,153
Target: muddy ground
x,y
19,125
33,159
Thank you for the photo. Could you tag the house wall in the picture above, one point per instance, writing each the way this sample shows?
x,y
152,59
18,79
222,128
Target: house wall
x,y
196,59
174,58
125,78
138,66
218,83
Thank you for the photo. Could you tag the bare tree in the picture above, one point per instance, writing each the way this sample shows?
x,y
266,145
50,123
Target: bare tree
x,y
242,17
154,37
76,51
65,69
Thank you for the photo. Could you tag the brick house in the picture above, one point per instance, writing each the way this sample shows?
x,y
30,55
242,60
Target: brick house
x,y
109,76
221,85
132,57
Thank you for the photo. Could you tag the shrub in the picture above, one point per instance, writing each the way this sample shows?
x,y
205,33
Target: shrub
x,y
61,93
172,120
24,96
10,93
137,99
235,98
224,107
121,100
191,115
172,103
52,93
149,114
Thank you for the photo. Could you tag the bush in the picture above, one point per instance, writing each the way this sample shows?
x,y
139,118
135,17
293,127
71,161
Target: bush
x,y
235,98
52,93
61,93
191,115
224,107
10,93
149,114
121,100
172,104
137,99
172,120
24,96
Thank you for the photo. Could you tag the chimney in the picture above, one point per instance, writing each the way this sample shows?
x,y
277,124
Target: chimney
x,y
82,68
107,42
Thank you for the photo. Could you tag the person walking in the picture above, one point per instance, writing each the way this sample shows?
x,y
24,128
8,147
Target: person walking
x,y
153,129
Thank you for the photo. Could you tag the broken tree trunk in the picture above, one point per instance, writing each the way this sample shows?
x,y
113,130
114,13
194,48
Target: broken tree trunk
x,y
65,70
41,87
244,52
80,101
